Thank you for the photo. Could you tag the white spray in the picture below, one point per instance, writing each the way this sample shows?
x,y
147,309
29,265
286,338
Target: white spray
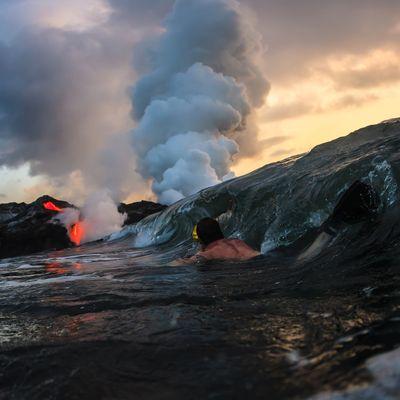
x,y
193,106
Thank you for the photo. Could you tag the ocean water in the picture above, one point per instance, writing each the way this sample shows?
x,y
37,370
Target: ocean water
x,y
116,320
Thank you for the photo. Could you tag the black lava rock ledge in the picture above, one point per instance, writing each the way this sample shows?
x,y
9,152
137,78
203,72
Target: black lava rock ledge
x,y
30,228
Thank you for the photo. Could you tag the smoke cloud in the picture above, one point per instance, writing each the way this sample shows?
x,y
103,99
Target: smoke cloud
x,y
194,104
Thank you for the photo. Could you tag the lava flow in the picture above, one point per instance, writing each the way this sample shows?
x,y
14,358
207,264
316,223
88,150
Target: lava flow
x,y
51,206
75,231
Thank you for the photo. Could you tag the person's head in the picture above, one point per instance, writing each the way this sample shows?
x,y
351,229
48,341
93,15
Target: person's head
x,y
208,231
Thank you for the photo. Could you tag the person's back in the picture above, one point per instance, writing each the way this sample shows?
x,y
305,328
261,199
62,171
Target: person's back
x,y
228,249
216,247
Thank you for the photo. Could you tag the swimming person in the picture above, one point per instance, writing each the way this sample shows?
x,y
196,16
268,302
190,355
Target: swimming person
x,y
359,203
214,245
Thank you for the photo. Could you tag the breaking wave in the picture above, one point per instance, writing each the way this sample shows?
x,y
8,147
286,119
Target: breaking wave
x,y
277,204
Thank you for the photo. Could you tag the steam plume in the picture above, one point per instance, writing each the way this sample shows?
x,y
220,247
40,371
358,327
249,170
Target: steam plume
x,y
193,106
63,102
99,217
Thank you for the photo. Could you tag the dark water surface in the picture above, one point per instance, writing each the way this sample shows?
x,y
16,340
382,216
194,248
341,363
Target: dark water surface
x,y
115,321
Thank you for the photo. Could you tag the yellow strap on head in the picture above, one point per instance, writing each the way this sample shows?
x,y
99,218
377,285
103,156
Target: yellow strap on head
x,y
195,236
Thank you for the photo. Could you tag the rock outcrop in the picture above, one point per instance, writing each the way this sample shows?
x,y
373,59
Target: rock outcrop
x,y
30,228
138,211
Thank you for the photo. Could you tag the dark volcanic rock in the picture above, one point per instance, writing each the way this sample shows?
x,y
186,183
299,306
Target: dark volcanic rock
x,y
138,211
30,228
9,210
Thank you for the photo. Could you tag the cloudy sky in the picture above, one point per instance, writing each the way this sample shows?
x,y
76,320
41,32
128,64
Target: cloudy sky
x,y
67,72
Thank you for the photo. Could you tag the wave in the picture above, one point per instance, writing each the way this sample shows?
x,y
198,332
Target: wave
x,y
277,204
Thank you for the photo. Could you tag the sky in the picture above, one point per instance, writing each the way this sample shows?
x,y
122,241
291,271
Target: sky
x,y
67,69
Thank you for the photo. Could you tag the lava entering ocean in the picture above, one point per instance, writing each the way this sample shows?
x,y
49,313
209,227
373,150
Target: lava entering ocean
x,y
76,233
75,230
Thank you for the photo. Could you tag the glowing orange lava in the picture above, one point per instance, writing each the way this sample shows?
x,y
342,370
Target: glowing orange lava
x,y
51,206
76,233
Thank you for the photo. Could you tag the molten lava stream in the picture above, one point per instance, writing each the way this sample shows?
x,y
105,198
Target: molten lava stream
x,y
76,233
51,206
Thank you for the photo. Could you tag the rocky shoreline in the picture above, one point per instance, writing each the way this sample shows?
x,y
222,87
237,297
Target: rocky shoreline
x,y
30,228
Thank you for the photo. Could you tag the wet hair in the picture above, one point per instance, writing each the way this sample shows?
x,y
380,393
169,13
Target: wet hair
x,y
208,231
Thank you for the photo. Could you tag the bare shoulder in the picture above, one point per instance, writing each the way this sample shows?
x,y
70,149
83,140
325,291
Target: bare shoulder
x,y
245,248
240,243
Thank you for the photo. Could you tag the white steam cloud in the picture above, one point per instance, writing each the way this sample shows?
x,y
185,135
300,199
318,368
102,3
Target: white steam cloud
x,y
65,67
98,217
193,106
